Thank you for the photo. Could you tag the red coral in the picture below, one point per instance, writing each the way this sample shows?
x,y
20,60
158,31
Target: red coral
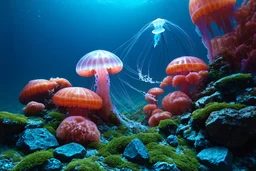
x,y
238,47
33,108
78,129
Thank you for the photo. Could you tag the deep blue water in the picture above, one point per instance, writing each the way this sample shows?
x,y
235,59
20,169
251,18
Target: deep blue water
x,y
46,38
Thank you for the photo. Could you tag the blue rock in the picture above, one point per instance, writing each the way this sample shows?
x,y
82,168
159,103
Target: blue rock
x,y
52,165
203,168
216,158
164,166
136,152
69,151
172,140
36,139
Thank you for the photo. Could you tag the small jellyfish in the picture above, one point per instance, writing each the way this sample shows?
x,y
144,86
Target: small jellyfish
x,y
144,57
205,12
158,29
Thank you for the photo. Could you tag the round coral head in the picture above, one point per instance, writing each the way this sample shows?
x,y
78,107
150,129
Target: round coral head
x,y
176,103
33,108
88,65
204,8
156,91
36,90
78,129
62,82
156,118
186,64
77,97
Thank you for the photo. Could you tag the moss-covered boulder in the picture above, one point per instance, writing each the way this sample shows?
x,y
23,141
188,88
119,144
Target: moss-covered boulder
x,y
33,160
199,116
10,126
230,85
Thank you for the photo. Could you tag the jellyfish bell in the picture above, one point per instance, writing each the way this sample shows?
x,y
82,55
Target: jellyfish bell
x,y
158,26
204,13
158,29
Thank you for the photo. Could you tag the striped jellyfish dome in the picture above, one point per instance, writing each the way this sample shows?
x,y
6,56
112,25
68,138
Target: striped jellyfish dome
x,y
96,60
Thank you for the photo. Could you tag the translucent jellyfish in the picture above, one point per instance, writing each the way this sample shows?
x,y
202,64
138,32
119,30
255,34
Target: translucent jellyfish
x,y
158,29
145,56
100,63
155,45
204,12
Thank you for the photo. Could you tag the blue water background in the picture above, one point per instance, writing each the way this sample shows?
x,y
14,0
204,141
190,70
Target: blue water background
x,y
46,38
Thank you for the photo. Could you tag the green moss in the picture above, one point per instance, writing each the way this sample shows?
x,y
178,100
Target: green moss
x,y
33,160
18,118
116,161
54,124
88,164
120,131
205,112
96,145
152,130
56,115
117,145
233,78
182,141
50,129
164,153
16,156
167,123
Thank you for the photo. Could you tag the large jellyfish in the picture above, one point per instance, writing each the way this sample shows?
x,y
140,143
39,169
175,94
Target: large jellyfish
x,y
205,12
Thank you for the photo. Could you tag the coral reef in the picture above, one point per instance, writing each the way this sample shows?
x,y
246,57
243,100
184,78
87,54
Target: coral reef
x,y
239,47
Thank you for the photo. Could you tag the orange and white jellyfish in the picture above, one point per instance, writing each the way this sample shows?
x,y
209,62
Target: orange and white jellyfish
x,y
206,12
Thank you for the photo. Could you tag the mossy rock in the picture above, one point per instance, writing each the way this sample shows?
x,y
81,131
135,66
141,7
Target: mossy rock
x,y
10,126
86,164
116,161
33,160
56,115
117,145
14,155
168,126
17,118
206,111
234,83
164,153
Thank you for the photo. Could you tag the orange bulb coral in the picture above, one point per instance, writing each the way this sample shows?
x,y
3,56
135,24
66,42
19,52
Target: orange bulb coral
x,y
78,100
33,108
37,90
156,118
62,83
176,103
78,129
186,72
